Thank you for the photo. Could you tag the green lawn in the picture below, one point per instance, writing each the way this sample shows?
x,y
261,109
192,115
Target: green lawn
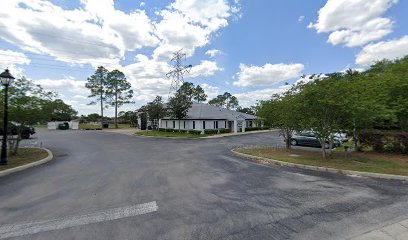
x,y
169,134
120,125
89,126
357,161
24,156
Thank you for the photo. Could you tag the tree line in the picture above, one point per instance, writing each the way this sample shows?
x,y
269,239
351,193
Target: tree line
x,y
30,104
349,101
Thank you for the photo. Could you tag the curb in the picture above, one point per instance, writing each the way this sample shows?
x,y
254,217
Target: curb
x,y
29,165
322,169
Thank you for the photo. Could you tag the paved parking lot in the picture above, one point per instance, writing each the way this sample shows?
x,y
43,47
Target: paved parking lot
x,y
113,186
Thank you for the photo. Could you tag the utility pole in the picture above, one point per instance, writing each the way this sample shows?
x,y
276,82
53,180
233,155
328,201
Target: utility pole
x,y
179,70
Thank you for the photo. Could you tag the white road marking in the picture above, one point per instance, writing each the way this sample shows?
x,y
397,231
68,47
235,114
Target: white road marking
x,y
21,229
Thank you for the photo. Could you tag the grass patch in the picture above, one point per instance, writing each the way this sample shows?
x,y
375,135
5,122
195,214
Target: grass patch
x,y
358,161
24,156
89,126
170,134
120,125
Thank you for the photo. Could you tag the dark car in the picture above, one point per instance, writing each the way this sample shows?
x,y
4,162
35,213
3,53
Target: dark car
x,y
13,128
307,138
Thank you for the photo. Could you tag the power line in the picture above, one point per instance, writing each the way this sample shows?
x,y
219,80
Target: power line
x,y
179,70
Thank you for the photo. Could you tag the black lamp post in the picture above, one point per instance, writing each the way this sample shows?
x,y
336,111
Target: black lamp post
x,y
6,79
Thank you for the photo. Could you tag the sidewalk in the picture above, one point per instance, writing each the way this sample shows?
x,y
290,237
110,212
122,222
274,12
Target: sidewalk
x,y
396,231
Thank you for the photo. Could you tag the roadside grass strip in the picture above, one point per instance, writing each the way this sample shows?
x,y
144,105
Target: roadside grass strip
x,y
389,165
22,229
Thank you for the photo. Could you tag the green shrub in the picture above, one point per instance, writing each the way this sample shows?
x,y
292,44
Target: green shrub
x,y
392,142
182,131
162,129
225,130
211,131
195,132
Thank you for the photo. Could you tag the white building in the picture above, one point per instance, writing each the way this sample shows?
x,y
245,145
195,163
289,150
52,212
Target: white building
x,y
203,116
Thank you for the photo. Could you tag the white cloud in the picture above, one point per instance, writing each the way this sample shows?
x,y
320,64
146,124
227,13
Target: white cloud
x,y
267,75
354,22
211,14
250,98
96,34
211,91
391,50
301,18
11,59
204,69
213,52
68,85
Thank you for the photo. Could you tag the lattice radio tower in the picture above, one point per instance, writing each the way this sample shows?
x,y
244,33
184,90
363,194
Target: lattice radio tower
x,y
178,70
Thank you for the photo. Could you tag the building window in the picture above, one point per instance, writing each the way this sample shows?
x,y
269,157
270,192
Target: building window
x,y
193,124
184,125
215,124
203,124
174,124
166,124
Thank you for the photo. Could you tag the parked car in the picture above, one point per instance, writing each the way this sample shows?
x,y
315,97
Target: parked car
x,y
26,131
308,138
342,137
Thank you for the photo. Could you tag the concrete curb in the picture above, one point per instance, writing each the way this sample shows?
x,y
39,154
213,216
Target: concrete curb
x,y
322,169
29,165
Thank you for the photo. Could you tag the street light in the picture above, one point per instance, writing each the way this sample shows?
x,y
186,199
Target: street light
x,y
6,79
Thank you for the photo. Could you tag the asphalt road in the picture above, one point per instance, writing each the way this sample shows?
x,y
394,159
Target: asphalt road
x,y
202,191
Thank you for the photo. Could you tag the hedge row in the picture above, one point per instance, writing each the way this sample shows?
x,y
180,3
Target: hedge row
x,y
393,142
197,132
255,129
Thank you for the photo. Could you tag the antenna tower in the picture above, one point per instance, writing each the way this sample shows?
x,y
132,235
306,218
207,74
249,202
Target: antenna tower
x,y
178,70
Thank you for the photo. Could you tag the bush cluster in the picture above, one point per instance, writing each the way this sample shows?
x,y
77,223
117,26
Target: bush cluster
x,y
197,132
392,142
224,130
211,131
255,129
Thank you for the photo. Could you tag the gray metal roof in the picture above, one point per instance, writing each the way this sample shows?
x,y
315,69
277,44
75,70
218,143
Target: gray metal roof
x,y
206,111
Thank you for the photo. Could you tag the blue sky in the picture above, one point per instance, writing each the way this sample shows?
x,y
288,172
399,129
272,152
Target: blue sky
x,y
250,48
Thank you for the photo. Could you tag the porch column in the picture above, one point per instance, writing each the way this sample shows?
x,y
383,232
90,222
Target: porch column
x,y
235,126
243,125
160,126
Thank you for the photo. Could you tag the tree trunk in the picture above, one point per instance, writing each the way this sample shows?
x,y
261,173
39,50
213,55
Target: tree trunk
x,y
116,108
101,109
355,138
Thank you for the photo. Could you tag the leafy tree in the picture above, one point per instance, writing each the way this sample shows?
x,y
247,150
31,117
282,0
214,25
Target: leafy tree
x,y
29,104
97,84
199,94
178,106
93,117
192,93
187,89
225,100
129,116
156,109
248,110
57,110
282,112
118,91
321,108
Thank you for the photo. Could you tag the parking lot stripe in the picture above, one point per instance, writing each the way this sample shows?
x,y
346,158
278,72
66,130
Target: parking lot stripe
x,y
21,229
